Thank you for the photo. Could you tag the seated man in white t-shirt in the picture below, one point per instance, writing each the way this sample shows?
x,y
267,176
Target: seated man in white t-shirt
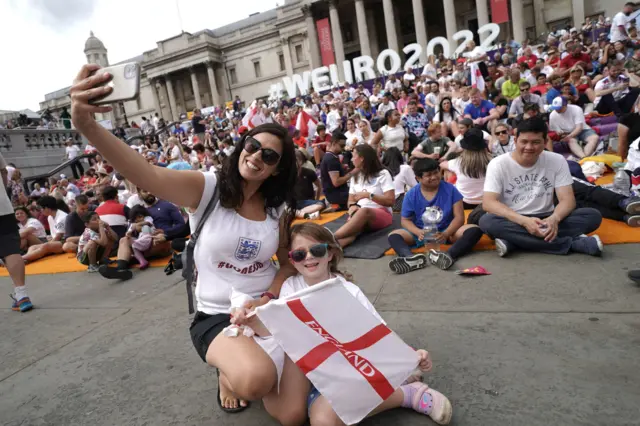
x,y
56,219
568,122
518,198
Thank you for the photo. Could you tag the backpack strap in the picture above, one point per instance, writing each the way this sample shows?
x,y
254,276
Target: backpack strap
x,y
189,267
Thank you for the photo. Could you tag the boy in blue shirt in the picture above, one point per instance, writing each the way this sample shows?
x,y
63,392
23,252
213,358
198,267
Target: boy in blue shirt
x,y
431,192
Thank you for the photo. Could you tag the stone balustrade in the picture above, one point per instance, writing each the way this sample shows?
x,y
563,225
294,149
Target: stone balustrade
x,y
37,151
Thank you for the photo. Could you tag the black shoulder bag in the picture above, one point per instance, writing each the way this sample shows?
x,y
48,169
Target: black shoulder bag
x,y
189,271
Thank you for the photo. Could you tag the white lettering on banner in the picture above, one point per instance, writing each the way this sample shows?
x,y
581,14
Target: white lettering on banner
x,y
319,80
363,65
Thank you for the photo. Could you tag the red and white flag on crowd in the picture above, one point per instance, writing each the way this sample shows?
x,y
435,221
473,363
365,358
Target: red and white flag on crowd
x,y
306,124
477,80
249,115
354,360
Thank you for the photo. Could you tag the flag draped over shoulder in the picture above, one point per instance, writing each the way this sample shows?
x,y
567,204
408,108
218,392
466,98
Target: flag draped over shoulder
x,y
350,356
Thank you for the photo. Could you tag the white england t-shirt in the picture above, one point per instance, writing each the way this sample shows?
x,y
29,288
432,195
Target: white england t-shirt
x,y
619,20
471,189
405,178
232,252
528,191
56,224
393,136
36,225
568,120
377,185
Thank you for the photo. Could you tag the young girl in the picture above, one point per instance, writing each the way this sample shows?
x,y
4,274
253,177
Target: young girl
x,y
142,232
316,254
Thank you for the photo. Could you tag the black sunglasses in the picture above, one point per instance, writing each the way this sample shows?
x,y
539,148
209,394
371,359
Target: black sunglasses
x,y
504,132
269,156
318,251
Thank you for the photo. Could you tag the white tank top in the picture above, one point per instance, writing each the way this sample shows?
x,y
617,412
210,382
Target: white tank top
x,y
393,136
232,252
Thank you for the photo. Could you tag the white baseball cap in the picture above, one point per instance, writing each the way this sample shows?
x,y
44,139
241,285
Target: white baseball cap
x,y
558,103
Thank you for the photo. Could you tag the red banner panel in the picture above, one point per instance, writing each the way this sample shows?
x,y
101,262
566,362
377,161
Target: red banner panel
x,y
326,42
499,11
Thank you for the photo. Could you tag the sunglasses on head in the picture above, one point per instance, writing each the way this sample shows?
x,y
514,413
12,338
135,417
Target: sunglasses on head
x,y
269,156
318,251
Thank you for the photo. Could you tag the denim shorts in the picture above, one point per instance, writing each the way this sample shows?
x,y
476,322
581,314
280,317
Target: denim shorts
x,y
306,203
584,134
313,395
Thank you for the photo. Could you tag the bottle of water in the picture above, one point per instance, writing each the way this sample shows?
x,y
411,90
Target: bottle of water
x,y
621,181
431,218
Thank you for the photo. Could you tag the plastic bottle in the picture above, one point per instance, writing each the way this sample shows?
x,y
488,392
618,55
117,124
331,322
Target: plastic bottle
x,y
621,181
431,218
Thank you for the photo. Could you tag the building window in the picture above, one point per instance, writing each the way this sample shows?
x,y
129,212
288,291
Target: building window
x,y
281,59
347,32
256,69
299,53
232,76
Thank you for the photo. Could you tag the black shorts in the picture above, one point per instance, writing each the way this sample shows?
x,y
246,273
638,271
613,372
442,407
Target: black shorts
x,y
205,328
9,235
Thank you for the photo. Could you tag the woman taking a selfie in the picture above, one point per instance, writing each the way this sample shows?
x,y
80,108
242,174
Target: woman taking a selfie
x,y
239,238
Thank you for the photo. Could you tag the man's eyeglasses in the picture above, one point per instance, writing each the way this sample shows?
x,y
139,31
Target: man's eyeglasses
x,y
269,156
502,132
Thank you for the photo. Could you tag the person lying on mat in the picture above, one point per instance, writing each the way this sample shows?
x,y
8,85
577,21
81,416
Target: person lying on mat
x,y
54,211
316,255
371,196
432,192
332,174
518,198
96,242
308,203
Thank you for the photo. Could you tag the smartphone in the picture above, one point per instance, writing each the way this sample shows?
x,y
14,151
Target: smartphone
x,y
125,82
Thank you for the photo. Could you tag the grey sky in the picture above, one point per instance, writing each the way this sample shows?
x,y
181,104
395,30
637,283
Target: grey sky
x,y
43,40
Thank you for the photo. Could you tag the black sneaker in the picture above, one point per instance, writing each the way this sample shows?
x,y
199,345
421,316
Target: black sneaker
x,y
115,273
631,205
634,275
440,259
587,245
633,221
403,265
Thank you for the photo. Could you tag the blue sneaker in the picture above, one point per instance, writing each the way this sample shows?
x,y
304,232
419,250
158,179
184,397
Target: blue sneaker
x,y
587,245
22,305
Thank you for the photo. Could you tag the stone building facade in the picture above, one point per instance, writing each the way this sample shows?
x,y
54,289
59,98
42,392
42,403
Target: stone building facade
x,y
245,58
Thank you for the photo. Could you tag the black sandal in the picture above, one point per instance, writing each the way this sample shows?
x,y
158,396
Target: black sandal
x,y
229,410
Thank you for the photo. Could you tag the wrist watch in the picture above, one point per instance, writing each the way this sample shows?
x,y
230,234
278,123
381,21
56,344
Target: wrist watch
x,y
371,196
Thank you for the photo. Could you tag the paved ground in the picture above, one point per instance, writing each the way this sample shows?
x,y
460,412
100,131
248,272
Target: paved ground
x,y
543,341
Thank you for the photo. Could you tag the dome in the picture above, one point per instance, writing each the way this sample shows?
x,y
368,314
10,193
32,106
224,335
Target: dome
x,y
93,43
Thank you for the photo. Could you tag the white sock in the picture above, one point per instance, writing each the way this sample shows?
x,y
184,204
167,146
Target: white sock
x,y
20,292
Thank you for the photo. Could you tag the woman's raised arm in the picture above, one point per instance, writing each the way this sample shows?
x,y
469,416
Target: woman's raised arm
x,y
183,188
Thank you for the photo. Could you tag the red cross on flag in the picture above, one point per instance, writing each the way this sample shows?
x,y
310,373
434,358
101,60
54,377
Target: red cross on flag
x,y
354,360
477,80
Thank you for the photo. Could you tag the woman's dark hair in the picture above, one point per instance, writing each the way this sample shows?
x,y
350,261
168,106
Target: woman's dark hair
x,y
277,189
371,165
387,115
86,218
61,205
300,156
136,211
454,113
392,160
25,210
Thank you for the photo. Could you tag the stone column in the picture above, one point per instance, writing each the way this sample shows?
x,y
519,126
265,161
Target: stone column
x,y
390,24
363,30
215,96
156,98
196,88
538,15
373,34
517,16
421,28
312,33
450,22
483,16
578,13
286,51
172,98
336,34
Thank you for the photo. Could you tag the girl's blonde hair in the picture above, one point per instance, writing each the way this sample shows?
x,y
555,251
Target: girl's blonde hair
x,y
474,163
321,234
